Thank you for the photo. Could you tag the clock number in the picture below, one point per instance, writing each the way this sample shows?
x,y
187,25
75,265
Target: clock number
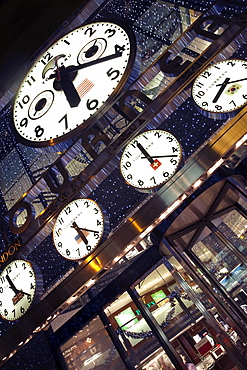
x,y
96,210
88,247
170,139
96,235
86,203
90,31
78,251
153,178
173,161
24,100
134,144
206,74
65,121
93,104
46,58
231,63
99,223
13,312
204,104
166,174
199,84
61,220
244,96
2,278
140,182
127,165
232,102
200,94
111,72
218,107
32,80
1,289
31,287
174,150
157,133
59,244
129,177
30,273
67,210
39,131
29,298
119,48
111,32
22,309
24,122
128,154
5,312
8,269
24,266
67,252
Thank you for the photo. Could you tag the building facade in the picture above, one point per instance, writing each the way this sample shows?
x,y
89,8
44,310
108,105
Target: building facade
x,y
161,282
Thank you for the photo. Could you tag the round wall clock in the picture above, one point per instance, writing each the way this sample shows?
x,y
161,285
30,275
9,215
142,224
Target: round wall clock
x,y
73,83
220,91
78,229
150,159
20,285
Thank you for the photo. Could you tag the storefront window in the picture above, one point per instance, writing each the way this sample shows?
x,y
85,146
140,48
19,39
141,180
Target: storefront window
x,y
91,348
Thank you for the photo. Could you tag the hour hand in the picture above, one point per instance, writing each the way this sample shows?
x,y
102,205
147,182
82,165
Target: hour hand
x,y
68,87
221,89
145,153
80,233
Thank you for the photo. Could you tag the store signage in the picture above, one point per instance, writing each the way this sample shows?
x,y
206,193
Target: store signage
x,y
10,251
170,64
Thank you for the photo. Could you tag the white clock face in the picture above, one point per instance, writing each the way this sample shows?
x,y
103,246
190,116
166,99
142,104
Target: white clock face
x,y
71,83
78,229
17,289
221,88
150,159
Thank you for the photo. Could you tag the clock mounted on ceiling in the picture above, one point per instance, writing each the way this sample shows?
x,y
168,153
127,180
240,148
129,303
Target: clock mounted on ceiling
x,y
72,84
150,159
20,286
220,91
79,229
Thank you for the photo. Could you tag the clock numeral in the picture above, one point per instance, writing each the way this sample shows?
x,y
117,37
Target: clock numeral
x,y
134,144
174,150
244,96
31,287
200,94
88,247
61,221
173,161
93,104
158,134
111,32
89,30
2,278
153,179
13,312
24,122
32,79
206,74
59,244
231,63
1,289
67,210
8,269
166,174
204,104
29,298
65,121
96,234
129,177
199,84
169,138
5,312
86,203
46,58
128,154
24,266
67,252
127,165
22,309
78,251
140,182
112,72
96,210
99,223
30,273
39,131
24,101
218,107
119,48
233,102
66,42
1,303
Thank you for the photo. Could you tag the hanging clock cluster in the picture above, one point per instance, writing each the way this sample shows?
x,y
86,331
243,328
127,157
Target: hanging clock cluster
x,y
20,286
220,91
72,84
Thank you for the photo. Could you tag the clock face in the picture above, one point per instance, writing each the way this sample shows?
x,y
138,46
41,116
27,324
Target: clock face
x,y
150,159
17,289
71,84
78,229
221,89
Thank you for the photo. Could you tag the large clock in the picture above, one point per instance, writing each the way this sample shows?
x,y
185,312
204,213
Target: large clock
x,y
20,285
150,159
220,91
73,83
79,229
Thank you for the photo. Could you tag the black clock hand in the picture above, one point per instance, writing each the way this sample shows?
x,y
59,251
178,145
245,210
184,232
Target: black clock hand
x,y
162,156
12,286
71,69
92,231
232,82
80,233
222,88
68,87
146,155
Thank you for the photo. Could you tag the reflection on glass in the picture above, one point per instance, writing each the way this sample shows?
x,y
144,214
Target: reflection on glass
x,y
221,262
91,348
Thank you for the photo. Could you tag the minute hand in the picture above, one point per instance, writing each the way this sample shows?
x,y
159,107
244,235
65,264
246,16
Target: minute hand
x,y
232,82
71,69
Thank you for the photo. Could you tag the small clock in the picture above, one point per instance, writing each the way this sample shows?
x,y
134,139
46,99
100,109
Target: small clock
x,y
72,84
150,159
220,91
79,229
20,285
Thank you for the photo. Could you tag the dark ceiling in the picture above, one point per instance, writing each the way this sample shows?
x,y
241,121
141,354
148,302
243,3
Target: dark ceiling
x,y
24,26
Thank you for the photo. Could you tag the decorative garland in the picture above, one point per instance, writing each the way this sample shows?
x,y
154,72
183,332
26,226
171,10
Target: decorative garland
x,y
147,334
